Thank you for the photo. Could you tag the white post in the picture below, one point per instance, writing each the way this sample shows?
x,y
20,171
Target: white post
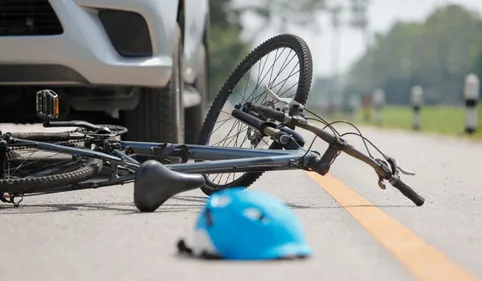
x,y
354,106
416,99
471,95
378,102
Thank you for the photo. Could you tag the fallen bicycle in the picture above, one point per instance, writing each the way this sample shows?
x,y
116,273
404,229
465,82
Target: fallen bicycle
x,y
40,163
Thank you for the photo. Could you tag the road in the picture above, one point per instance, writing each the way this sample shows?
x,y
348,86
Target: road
x,y
358,232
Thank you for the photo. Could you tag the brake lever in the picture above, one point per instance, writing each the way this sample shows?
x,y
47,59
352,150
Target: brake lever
x,y
396,168
406,172
390,165
289,102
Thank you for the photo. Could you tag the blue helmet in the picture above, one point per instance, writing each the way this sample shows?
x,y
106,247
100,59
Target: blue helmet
x,y
240,224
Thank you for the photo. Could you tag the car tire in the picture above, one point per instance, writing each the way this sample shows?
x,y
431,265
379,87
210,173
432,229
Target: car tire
x,y
159,116
195,115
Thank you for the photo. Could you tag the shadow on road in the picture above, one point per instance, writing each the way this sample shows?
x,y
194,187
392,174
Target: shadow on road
x,y
121,207
175,204
190,205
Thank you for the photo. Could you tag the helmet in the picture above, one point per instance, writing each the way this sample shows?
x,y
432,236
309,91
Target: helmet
x,y
241,224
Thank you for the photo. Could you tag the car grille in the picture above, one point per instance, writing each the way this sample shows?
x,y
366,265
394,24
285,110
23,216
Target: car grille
x,y
28,18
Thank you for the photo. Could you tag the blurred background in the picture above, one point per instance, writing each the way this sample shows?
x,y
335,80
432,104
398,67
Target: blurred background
x,y
360,47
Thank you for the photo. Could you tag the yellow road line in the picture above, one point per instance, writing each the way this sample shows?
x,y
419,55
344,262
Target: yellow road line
x,y
424,261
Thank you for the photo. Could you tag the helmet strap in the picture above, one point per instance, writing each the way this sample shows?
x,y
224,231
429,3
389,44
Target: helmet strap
x,y
184,249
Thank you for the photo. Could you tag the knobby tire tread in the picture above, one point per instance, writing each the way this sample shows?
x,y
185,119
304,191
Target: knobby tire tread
x,y
26,185
42,136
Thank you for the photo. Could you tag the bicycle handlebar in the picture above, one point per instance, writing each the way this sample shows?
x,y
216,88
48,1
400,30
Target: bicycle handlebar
x,y
407,191
380,167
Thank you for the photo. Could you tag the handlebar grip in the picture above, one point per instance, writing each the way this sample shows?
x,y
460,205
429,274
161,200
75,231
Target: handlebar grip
x,y
268,112
408,192
247,118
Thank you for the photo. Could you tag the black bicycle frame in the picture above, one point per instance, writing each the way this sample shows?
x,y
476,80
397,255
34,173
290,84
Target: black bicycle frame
x,y
223,159
219,159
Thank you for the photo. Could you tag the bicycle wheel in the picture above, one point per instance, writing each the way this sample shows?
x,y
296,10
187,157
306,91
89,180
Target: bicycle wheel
x,y
30,169
286,46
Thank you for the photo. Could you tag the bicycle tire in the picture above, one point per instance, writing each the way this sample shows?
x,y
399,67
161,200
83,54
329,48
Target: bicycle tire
x,y
84,172
42,136
65,135
295,43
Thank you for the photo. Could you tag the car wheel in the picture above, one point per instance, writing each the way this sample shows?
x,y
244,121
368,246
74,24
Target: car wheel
x,y
159,116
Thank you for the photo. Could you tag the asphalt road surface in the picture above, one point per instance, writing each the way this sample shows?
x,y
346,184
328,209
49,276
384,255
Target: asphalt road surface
x,y
357,230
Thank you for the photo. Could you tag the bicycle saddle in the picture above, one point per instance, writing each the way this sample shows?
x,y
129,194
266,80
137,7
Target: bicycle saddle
x,y
154,184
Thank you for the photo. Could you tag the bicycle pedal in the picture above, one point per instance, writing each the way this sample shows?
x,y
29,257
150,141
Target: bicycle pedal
x,y
47,104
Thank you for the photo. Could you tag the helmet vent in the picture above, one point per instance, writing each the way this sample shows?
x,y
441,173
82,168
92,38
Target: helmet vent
x,y
254,214
220,201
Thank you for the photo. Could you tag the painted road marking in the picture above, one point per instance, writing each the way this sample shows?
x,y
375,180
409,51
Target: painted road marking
x,y
424,261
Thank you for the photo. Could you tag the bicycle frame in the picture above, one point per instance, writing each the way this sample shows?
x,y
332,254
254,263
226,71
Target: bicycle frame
x,y
221,159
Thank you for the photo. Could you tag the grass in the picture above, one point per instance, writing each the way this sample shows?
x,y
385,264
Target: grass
x,y
443,120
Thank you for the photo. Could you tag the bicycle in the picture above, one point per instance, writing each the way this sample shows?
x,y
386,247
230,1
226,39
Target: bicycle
x,y
94,156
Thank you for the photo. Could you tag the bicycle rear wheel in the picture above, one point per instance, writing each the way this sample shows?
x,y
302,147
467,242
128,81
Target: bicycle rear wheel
x,y
235,92
30,169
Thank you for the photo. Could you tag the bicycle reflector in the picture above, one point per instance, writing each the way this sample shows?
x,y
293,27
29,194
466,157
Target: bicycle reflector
x,y
47,104
240,224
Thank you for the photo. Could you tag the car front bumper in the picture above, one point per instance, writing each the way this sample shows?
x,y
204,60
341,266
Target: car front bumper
x,y
84,54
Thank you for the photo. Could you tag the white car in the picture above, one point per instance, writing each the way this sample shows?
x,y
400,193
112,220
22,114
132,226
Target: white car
x,y
144,62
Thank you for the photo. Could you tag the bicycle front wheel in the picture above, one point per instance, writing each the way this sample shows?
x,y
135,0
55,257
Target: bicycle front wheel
x,y
283,64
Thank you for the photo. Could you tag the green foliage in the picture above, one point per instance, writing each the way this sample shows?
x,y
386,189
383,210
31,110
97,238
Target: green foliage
x,y
445,120
225,46
226,49
226,52
285,12
436,54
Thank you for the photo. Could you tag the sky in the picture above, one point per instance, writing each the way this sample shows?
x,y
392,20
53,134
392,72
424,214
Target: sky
x,y
382,14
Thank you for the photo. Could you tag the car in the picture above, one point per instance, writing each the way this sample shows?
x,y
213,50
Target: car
x,y
143,63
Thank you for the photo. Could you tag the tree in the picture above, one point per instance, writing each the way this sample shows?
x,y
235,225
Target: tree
x,y
225,46
226,49
436,54
282,13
